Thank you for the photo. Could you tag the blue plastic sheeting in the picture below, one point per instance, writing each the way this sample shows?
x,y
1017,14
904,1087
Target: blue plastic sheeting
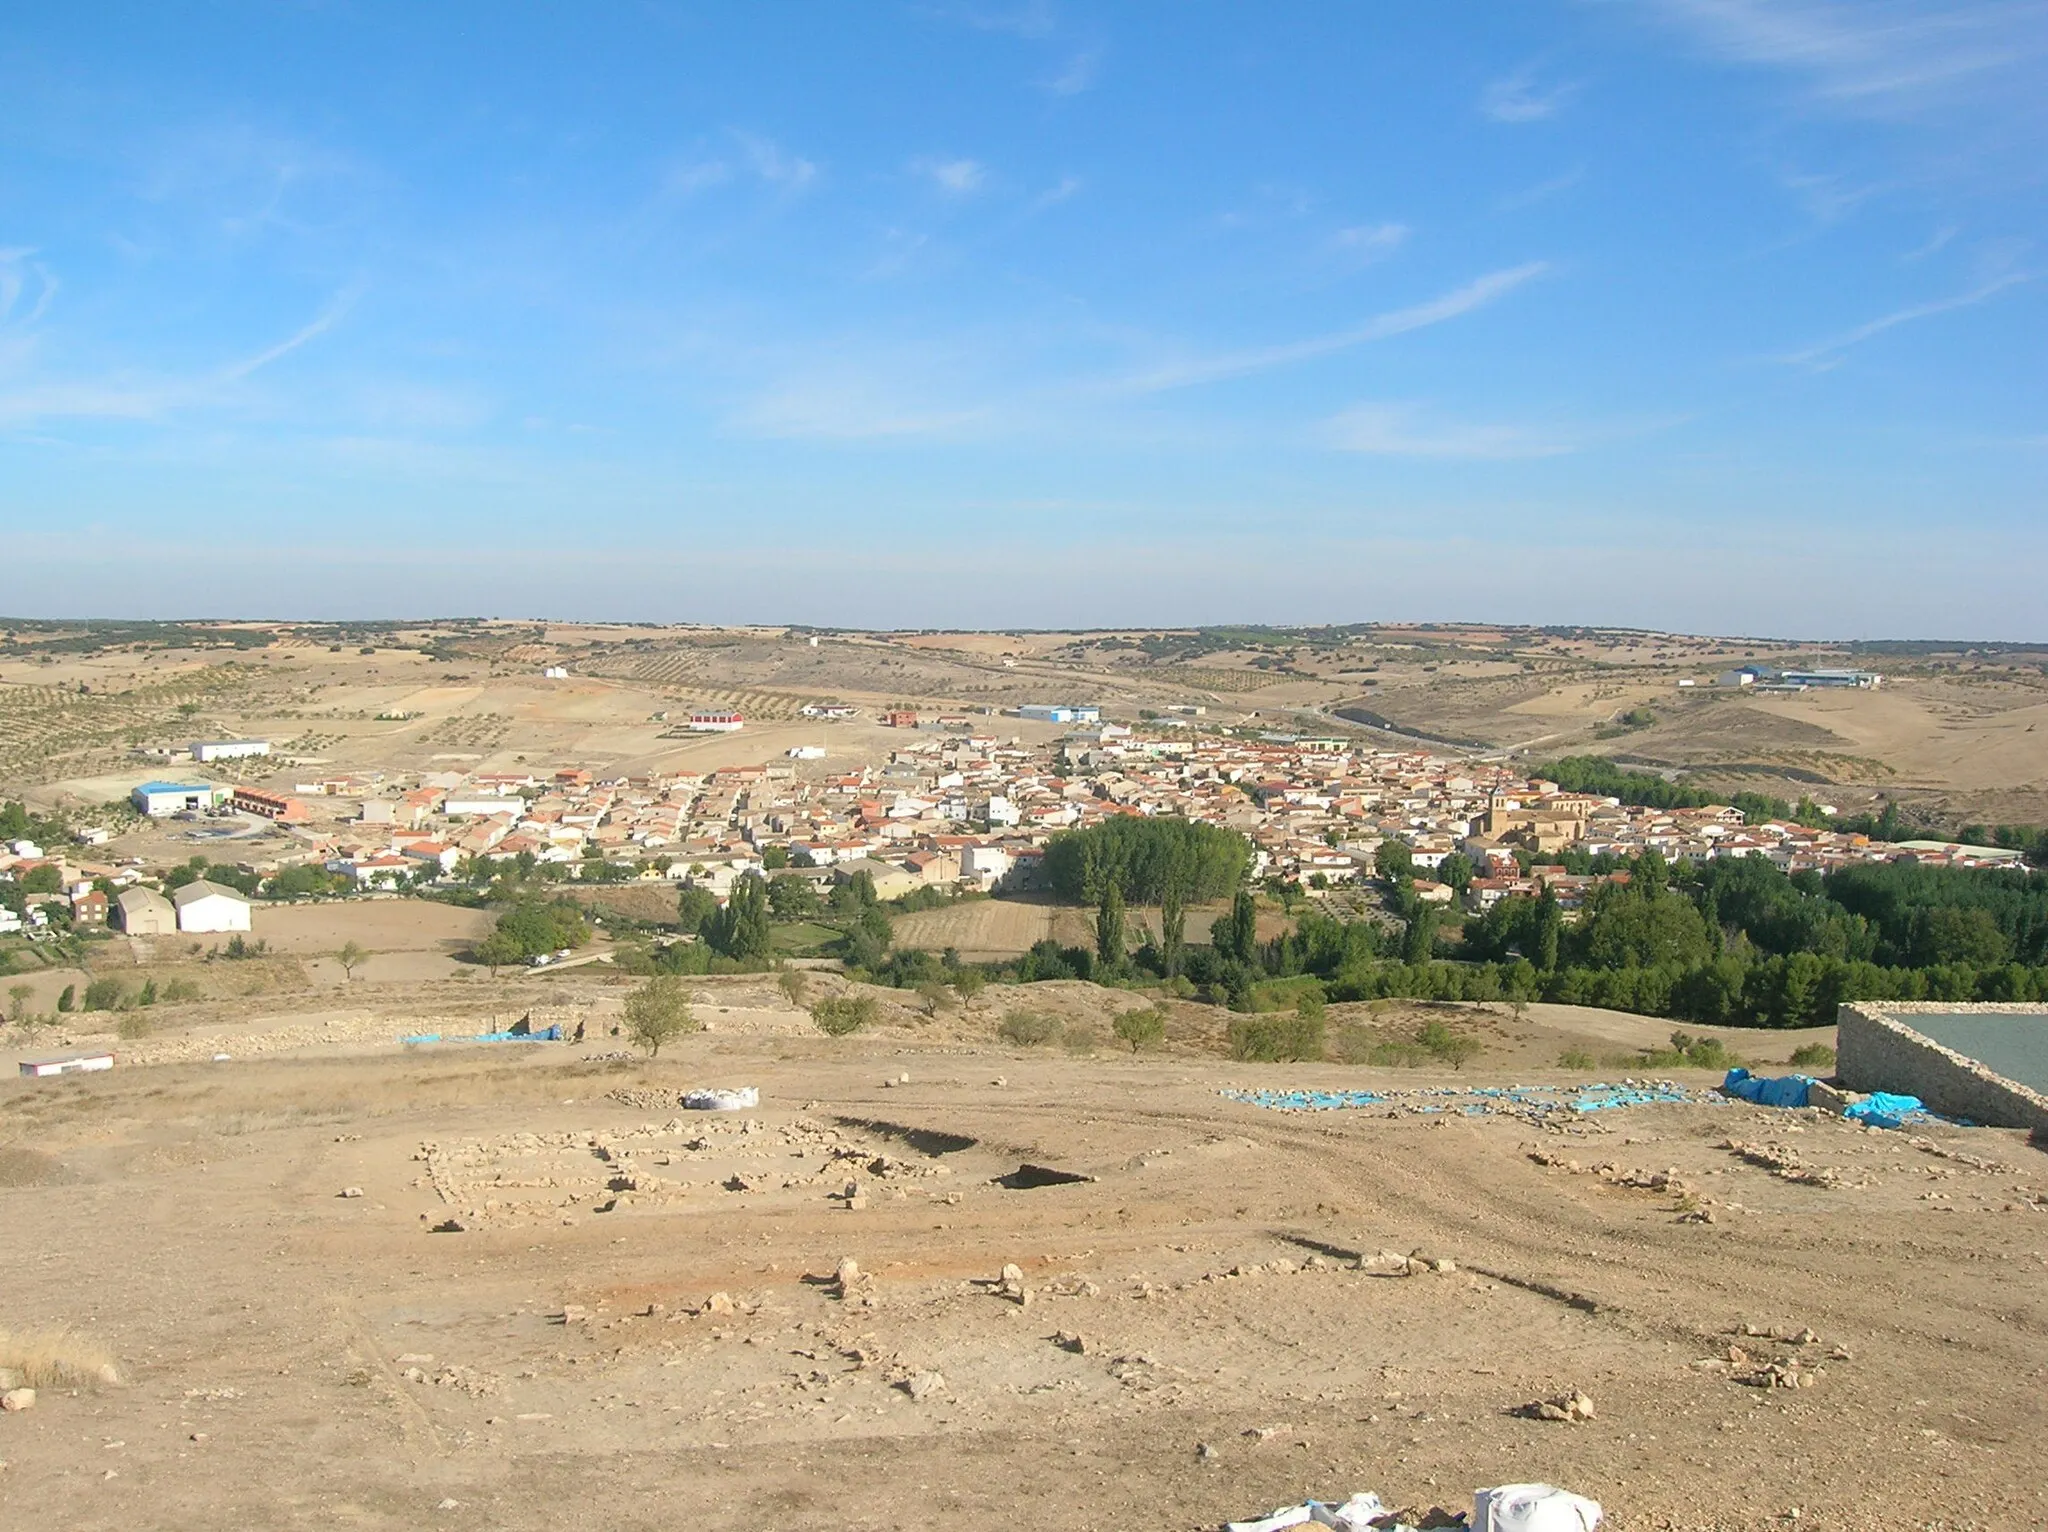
x,y
1782,1090
545,1035
1306,1100
1477,1101
1881,1109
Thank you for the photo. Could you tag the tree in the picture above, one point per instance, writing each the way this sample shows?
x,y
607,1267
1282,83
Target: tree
x,y
694,906
1173,928
1549,930
1456,871
17,1000
68,998
1395,862
350,956
1109,927
42,880
1236,936
1143,1028
659,1012
774,858
1419,941
792,897
793,982
842,1014
740,930
1143,856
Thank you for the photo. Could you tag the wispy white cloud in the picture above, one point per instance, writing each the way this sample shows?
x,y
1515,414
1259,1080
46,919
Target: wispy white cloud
x,y
127,397
1542,191
1077,74
1460,301
1936,242
1826,199
1054,195
1371,240
1402,430
954,177
1875,54
1828,353
1519,97
738,154
326,320
17,266
774,164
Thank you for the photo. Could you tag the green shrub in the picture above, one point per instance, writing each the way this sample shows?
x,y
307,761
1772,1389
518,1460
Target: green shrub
x,y
1811,1055
1276,1037
1079,1037
1030,1029
1575,1058
1144,1028
103,994
1446,1046
177,990
843,1014
69,999
134,1025
969,982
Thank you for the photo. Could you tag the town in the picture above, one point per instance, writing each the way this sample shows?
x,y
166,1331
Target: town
x,y
955,806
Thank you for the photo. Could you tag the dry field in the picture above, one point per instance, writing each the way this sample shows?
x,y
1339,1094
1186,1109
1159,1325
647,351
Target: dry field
x,y
350,1284
1954,733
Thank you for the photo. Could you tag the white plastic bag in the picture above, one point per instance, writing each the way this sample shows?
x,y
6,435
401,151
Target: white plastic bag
x,y
743,1099
1533,1508
1354,1515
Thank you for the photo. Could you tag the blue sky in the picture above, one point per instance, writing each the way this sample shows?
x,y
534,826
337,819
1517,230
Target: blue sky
x,y
1726,315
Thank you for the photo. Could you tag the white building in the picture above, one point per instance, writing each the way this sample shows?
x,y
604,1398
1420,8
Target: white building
x,y
160,800
717,721
805,752
556,673
228,749
204,906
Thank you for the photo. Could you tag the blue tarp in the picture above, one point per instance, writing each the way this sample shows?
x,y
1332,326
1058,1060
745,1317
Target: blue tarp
x,y
545,1035
1783,1090
1516,1100
1881,1109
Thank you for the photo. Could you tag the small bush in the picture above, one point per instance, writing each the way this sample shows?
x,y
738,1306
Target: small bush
x,y
1446,1046
794,984
69,999
1079,1037
969,982
1275,1038
1141,1028
1575,1058
1029,1029
177,990
56,1358
1812,1055
840,1015
134,1026
103,994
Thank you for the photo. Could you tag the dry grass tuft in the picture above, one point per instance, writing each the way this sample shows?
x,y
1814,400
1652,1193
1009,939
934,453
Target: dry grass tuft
x,y
56,1358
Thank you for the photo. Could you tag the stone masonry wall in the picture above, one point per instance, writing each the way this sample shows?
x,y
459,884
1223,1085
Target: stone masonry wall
x,y
1876,1048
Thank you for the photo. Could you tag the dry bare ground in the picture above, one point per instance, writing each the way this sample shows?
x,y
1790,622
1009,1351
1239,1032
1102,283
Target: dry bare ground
x,y
256,1244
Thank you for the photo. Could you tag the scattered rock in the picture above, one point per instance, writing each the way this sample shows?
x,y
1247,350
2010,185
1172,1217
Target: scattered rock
x,y
16,1400
1068,1340
351,1191
1207,1454
1574,1407
718,1303
922,1385
416,1359
575,1314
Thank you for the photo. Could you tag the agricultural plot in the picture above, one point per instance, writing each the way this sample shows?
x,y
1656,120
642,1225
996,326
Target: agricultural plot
x,y
51,731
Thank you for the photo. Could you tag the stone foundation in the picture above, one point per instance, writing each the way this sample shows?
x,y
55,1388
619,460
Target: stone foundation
x,y
1876,1048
